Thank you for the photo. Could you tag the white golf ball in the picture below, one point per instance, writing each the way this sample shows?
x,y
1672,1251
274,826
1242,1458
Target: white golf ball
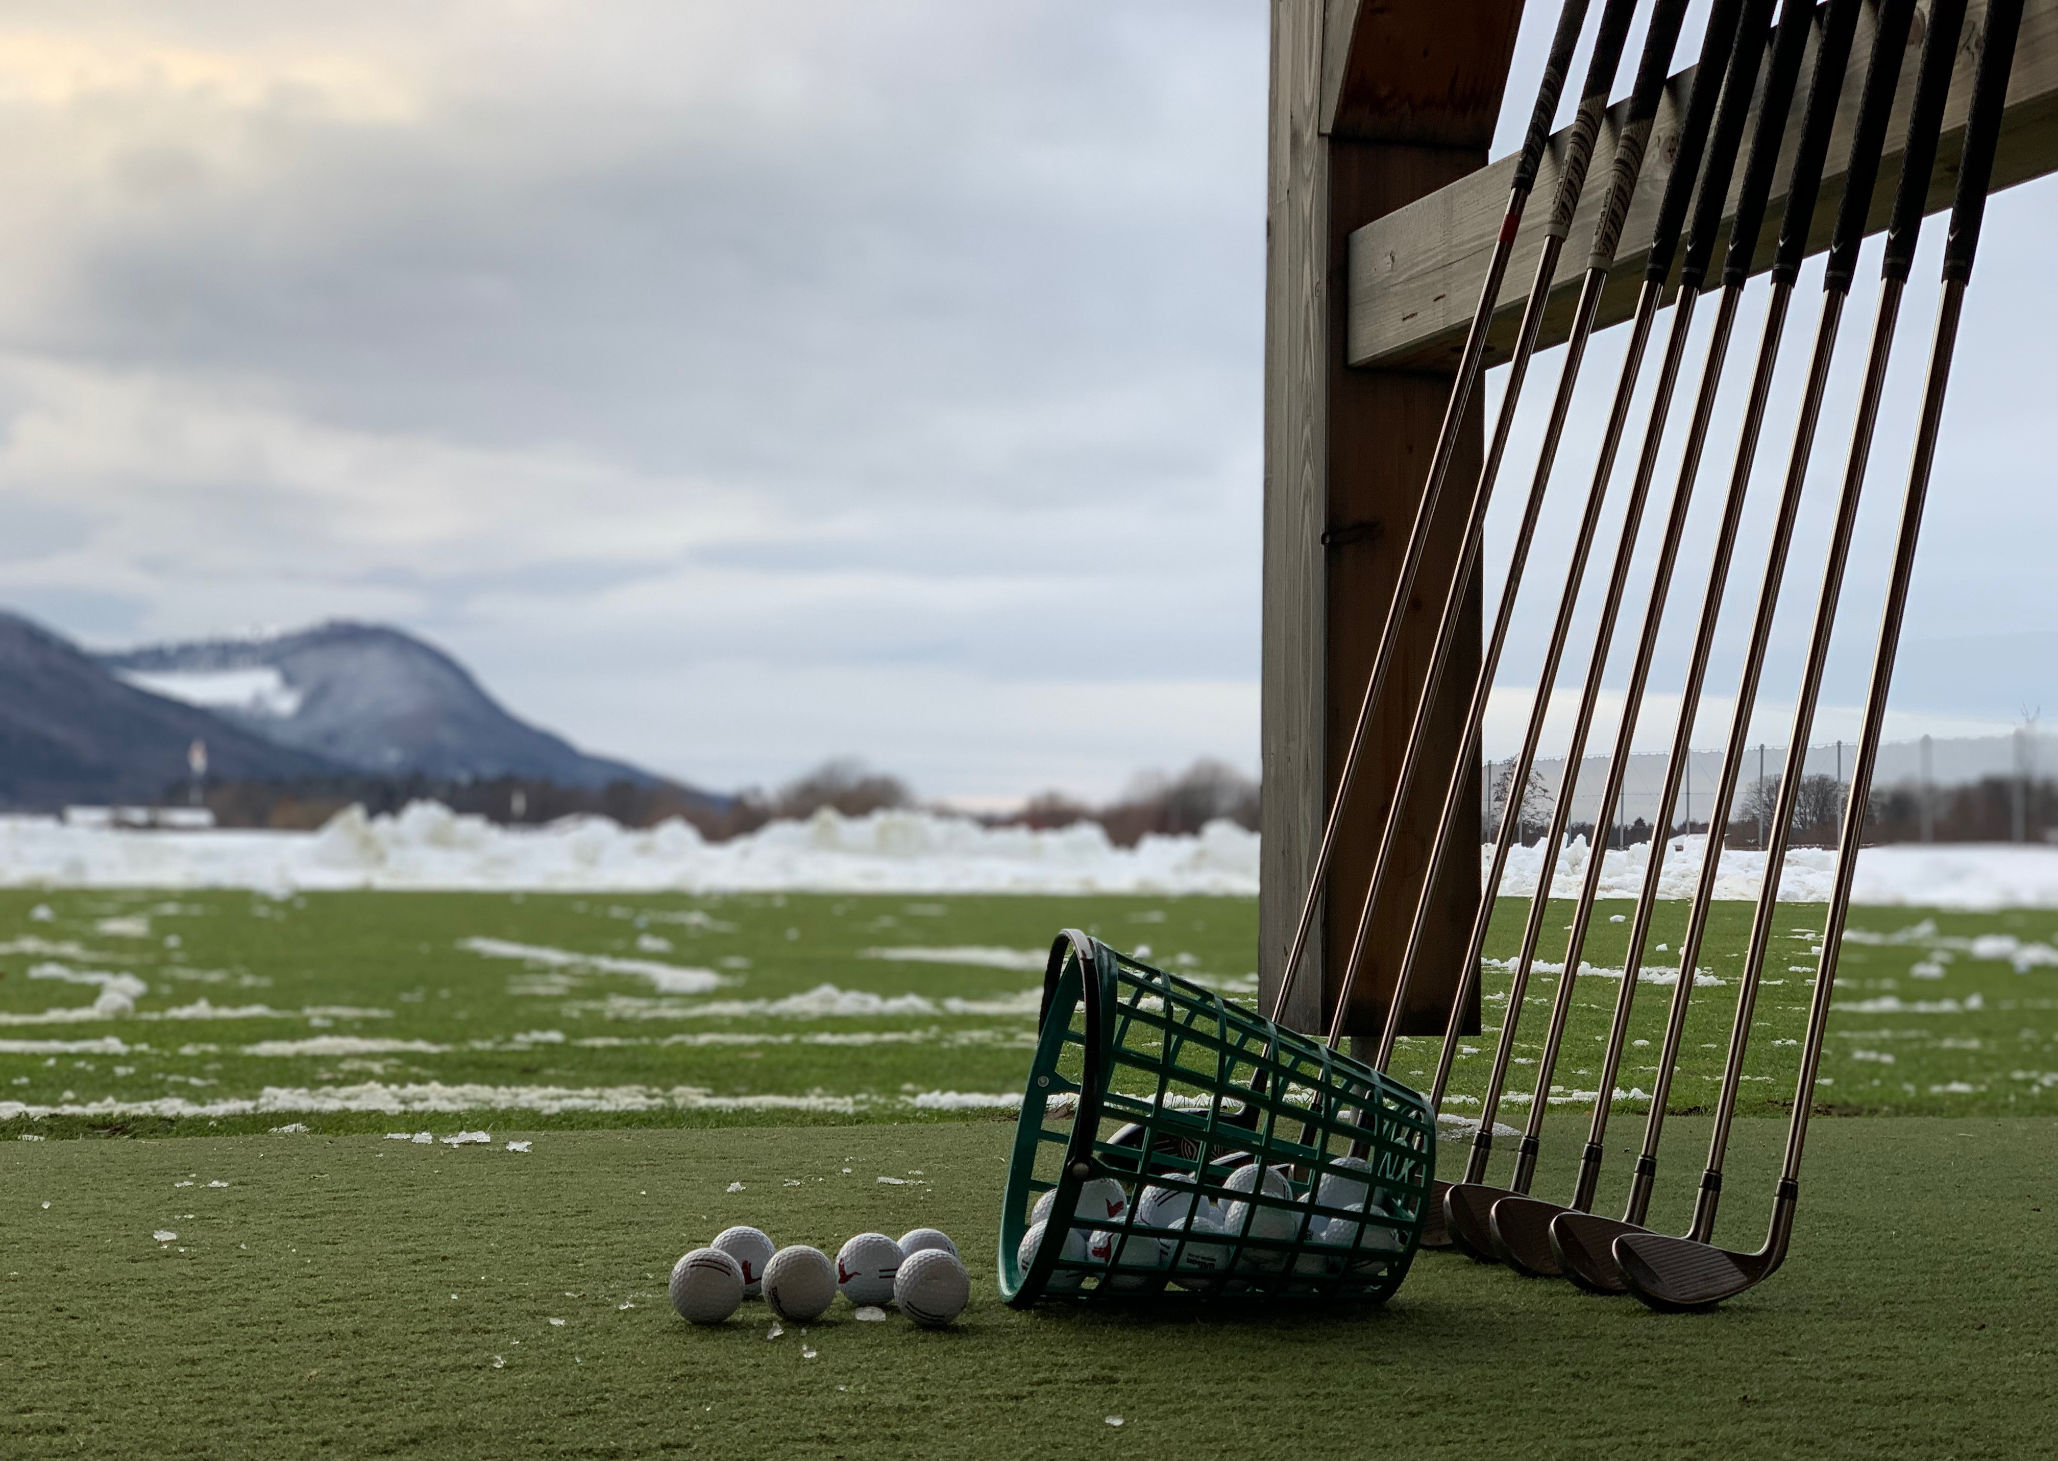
x,y
865,1267
707,1286
1278,1223
1102,1199
1044,1203
752,1250
1138,1250
1062,1280
932,1287
921,1240
1336,1189
1157,1207
1198,1266
799,1283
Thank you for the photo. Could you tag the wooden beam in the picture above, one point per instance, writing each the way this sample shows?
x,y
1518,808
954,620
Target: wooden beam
x,y
1414,274
1374,103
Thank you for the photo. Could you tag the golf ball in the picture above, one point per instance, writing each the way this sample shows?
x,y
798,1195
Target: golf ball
x,y
1337,1188
1258,1220
799,1283
1137,1251
1102,1199
1197,1266
1158,1207
923,1239
752,1250
932,1287
1062,1280
865,1267
707,1286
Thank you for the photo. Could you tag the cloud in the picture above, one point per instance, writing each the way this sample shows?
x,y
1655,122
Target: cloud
x,y
731,385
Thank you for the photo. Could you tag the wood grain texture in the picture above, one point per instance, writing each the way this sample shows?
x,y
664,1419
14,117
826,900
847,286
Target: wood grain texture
x,y
1412,273
1346,452
1292,682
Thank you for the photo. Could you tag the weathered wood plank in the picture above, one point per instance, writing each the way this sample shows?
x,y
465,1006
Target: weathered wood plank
x,y
1296,467
1345,456
1414,273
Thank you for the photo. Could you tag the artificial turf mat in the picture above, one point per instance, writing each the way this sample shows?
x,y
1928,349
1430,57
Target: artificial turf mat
x,y
354,1296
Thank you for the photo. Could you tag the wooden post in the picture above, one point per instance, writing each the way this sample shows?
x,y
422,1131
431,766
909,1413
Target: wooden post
x,y
1372,106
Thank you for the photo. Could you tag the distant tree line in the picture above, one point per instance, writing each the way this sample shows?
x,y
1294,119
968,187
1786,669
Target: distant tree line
x,y
1180,805
1154,803
1996,809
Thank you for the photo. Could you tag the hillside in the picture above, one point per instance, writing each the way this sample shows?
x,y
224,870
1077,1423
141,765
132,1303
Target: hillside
x,y
71,732
368,698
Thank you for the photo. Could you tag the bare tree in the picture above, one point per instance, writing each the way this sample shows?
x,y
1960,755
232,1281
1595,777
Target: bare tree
x,y
845,784
1818,808
1535,814
1758,805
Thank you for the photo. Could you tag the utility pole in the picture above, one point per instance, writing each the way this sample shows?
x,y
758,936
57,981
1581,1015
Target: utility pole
x,y
2018,802
1926,802
1760,798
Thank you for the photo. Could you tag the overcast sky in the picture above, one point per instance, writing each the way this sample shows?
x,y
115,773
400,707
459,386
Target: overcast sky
x,y
732,385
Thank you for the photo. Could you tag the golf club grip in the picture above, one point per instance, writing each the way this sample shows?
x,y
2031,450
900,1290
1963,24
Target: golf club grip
x,y
1586,122
1635,136
1868,140
1571,20
1932,88
1738,82
1716,44
1982,136
1789,46
1825,93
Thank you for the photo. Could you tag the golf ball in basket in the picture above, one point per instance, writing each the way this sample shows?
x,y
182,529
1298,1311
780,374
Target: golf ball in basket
x,y
923,1239
1137,1251
752,1250
707,1286
1099,1199
865,1267
932,1287
1280,1224
1157,1207
799,1283
1102,1199
1198,1266
1336,1189
1062,1280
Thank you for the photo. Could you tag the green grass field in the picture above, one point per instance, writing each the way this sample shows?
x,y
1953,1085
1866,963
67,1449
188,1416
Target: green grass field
x,y
371,1011
333,1292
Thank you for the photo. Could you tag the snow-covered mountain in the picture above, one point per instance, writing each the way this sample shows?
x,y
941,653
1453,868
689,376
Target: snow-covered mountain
x,y
71,732
367,698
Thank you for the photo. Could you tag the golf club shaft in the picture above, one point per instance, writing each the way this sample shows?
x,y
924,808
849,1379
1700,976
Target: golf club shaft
x,y
1628,165
1989,97
1832,59
1608,48
1738,77
1789,43
1946,19
1882,82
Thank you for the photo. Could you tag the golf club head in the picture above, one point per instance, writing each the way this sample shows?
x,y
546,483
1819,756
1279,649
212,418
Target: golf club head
x,y
1434,1233
1584,1243
1467,1213
1521,1232
1677,1275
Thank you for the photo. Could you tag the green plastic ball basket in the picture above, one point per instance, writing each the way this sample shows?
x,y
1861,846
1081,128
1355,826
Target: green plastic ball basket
x,y
1149,1095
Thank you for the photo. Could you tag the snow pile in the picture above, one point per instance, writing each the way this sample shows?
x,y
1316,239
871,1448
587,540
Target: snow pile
x,y
1961,875
428,846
